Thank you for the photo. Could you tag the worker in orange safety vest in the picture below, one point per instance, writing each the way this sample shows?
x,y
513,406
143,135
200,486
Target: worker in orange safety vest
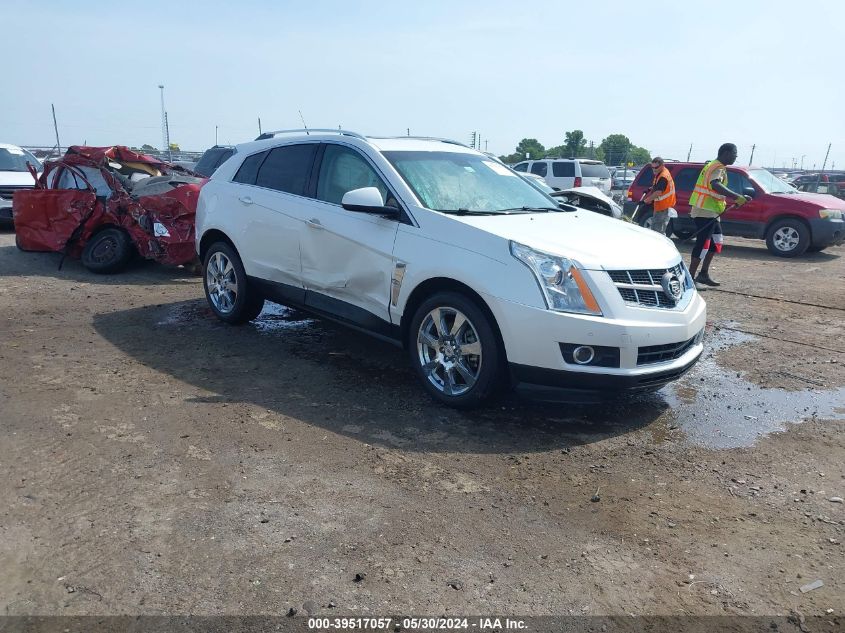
x,y
661,195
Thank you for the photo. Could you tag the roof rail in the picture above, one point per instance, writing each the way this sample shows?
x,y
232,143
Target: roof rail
x,y
274,133
425,138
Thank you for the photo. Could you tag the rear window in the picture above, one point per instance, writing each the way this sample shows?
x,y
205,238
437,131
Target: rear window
x,y
594,170
563,170
286,168
248,171
211,159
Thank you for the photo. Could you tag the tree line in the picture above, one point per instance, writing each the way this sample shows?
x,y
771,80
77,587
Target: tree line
x,y
616,149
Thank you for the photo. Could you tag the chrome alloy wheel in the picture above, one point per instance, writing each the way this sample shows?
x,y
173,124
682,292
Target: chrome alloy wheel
x,y
786,239
449,351
221,282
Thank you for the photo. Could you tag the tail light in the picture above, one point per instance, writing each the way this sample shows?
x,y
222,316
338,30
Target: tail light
x,y
630,192
577,181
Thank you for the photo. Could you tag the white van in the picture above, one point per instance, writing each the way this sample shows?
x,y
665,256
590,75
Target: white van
x,y
565,173
484,279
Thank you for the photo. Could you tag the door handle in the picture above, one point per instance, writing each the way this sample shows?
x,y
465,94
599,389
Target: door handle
x,y
245,199
314,223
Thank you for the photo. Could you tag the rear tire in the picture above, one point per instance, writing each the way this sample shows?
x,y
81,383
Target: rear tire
x,y
108,251
455,350
227,288
788,238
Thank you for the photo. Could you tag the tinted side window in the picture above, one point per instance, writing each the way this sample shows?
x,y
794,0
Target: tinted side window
x,y
734,181
248,170
594,170
286,168
343,170
563,170
647,177
541,169
686,178
521,167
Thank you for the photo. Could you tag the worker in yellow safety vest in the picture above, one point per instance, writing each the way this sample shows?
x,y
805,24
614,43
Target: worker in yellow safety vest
x,y
661,195
707,203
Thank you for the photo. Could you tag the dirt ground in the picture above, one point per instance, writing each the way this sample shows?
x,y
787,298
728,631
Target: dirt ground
x,y
156,461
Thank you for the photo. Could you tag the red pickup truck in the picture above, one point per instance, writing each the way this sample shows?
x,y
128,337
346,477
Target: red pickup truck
x,y
792,222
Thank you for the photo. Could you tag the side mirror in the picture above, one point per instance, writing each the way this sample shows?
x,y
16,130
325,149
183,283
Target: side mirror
x,y
367,200
749,192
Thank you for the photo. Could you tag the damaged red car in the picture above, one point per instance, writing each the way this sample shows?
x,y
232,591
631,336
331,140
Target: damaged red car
x,y
105,204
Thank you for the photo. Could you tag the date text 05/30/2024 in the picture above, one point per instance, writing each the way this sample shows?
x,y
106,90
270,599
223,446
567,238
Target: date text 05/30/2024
x,y
417,624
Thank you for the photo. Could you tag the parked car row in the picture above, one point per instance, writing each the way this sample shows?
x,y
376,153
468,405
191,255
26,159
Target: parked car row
x,y
790,221
565,173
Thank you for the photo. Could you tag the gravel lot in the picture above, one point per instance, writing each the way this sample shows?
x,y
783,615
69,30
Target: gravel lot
x,y
156,461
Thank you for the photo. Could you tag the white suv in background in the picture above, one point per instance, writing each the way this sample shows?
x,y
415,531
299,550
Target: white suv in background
x,y
479,275
14,175
565,173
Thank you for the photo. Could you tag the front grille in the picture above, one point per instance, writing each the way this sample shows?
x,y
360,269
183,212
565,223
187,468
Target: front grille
x,y
661,353
642,287
7,191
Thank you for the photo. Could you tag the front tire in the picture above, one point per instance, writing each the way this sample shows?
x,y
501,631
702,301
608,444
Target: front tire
x,y
226,286
788,238
455,351
108,251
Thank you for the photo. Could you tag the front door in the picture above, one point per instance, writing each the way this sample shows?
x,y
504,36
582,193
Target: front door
x,y
347,256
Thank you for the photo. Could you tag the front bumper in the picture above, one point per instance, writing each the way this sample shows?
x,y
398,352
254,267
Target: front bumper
x,y
827,232
655,346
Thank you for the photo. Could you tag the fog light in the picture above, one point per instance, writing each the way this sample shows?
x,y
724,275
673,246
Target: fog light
x,y
583,355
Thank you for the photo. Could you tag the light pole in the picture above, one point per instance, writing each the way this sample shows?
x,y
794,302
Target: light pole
x,y
215,135
802,161
163,122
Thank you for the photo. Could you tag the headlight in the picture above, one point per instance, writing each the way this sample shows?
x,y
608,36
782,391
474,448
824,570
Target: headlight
x,y
830,214
562,283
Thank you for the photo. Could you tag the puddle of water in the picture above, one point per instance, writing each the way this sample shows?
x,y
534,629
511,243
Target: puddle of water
x,y
716,408
278,318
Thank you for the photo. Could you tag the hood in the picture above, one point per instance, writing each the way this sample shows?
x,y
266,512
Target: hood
x,y
594,241
16,179
593,193
814,200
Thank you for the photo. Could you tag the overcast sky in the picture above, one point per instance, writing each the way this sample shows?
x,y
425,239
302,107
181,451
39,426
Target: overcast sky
x,y
666,74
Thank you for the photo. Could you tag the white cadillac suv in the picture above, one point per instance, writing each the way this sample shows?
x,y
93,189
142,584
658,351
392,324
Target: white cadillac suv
x,y
481,277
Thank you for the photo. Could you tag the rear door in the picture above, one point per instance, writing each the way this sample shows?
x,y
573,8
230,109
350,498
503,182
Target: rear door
x,y
347,256
272,204
563,175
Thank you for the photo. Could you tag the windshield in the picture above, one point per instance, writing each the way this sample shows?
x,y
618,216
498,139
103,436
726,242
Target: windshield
x,y
14,159
447,181
769,182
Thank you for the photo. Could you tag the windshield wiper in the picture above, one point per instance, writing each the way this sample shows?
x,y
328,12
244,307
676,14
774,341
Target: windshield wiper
x,y
530,209
466,212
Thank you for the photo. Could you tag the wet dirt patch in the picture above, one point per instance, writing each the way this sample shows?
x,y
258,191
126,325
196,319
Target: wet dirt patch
x,y
719,408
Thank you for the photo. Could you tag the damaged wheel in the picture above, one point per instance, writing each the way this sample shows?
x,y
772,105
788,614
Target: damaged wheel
x,y
226,286
107,252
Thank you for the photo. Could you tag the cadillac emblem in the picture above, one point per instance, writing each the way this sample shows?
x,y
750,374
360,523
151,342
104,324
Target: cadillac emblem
x,y
672,286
